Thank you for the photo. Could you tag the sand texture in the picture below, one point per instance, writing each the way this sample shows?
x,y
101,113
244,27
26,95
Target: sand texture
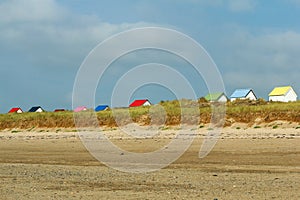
x,y
246,163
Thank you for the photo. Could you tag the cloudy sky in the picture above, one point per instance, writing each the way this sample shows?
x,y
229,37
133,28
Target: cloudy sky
x,y
43,43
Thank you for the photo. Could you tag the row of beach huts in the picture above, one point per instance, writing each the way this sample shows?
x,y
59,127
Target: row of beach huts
x,y
278,94
39,109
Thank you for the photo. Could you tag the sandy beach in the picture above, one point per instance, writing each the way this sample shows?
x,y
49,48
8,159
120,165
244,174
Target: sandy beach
x,y
246,163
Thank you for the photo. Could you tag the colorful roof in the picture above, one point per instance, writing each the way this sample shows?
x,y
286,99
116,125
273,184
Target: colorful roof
x,y
13,110
35,108
101,108
59,110
138,102
280,91
80,108
213,96
240,93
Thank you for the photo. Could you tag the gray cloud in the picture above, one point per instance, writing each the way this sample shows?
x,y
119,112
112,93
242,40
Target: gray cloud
x,y
51,33
43,44
271,51
261,61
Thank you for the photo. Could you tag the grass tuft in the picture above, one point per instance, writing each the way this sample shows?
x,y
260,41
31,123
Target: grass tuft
x,y
276,126
242,111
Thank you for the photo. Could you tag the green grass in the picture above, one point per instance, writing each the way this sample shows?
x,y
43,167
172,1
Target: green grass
x,y
241,111
164,128
276,126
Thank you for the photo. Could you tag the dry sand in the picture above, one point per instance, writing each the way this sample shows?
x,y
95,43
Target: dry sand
x,y
246,163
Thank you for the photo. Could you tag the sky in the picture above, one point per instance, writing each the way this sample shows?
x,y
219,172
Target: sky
x,y
255,44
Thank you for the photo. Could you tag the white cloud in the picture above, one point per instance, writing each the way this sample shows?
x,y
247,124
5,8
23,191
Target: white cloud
x,y
241,5
232,5
260,61
12,11
277,51
211,2
296,2
43,44
46,32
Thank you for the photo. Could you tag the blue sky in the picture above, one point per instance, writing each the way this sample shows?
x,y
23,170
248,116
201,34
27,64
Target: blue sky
x,y
43,43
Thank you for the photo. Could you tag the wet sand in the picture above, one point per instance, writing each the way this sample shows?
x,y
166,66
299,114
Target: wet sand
x,y
262,163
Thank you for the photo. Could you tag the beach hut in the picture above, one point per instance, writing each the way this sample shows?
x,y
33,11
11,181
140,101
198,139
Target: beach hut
x,y
283,94
140,102
101,108
15,110
243,94
216,97
37,109
59,110
80,108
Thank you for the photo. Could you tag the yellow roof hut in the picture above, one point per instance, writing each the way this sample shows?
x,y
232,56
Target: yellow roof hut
x,y
283,94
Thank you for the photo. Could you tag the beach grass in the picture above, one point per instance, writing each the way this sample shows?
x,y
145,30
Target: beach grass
x,y
241,111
